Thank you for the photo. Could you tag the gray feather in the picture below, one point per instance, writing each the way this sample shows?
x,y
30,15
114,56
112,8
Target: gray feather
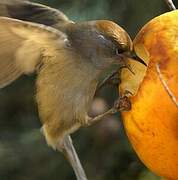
x,y
22,46
32,12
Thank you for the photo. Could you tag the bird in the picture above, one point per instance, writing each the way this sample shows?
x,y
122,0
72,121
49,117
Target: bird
x,y
68,58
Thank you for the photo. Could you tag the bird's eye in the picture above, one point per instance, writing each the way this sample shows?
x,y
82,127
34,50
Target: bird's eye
x,y
119,51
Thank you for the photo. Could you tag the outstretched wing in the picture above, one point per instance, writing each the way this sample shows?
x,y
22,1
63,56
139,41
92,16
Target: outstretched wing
x,y
32,12
22,46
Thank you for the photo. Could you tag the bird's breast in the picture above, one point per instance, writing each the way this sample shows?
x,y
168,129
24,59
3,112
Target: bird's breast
x,y
65,90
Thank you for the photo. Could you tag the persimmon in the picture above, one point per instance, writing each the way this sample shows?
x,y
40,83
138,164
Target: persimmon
x,y
152,123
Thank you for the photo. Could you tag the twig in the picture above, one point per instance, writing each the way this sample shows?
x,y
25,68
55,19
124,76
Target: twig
x,y
170,4
121,104
71,155
171,95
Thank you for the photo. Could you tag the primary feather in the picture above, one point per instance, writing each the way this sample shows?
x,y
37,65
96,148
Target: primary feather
x,y
32,12
22,45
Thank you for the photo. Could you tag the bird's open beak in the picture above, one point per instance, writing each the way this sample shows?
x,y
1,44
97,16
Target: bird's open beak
x,y
134,57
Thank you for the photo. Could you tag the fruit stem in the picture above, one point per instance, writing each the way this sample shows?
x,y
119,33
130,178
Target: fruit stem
x,y
171,95
171,5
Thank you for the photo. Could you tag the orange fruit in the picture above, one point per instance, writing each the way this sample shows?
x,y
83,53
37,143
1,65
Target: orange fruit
x,y
152,123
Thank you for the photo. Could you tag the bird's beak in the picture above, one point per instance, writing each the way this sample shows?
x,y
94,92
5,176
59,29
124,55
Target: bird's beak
x,y
134,57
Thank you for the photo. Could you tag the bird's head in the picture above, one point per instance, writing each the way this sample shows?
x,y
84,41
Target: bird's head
x,y
101,42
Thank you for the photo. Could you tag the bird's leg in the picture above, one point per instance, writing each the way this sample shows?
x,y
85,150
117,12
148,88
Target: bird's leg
x,y
112,79
121,104
70,153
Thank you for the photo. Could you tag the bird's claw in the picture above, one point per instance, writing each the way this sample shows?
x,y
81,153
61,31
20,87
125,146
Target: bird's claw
x,y
122,104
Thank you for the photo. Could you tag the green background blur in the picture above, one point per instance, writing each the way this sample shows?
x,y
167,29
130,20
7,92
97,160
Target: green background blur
x,y
104,148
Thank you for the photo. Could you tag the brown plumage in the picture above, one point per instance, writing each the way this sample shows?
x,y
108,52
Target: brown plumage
x,y
117,34
68,58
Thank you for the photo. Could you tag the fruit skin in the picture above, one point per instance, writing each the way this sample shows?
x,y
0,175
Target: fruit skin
x,y
152,124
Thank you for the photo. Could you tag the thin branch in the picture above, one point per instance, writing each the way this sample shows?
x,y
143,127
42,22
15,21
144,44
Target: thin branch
x,y
68,149
121,104
171,95
71,155
170,4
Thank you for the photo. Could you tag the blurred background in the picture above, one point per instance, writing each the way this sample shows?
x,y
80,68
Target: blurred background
x,y
104,148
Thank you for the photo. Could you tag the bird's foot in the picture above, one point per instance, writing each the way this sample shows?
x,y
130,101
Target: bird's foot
x,y
121,104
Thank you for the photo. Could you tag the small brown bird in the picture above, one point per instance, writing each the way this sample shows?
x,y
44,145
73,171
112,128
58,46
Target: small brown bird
x,y
69,59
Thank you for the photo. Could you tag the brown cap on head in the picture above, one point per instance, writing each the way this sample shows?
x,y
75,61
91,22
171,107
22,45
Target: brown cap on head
x,y
115,32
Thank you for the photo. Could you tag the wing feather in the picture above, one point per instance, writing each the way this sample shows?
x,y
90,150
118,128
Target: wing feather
x,y
32,12
22,46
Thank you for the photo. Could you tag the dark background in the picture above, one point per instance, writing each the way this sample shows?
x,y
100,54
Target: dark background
x,y
104,148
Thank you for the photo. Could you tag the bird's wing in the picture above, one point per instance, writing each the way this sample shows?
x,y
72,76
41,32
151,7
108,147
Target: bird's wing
x,y
32,12
22,46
